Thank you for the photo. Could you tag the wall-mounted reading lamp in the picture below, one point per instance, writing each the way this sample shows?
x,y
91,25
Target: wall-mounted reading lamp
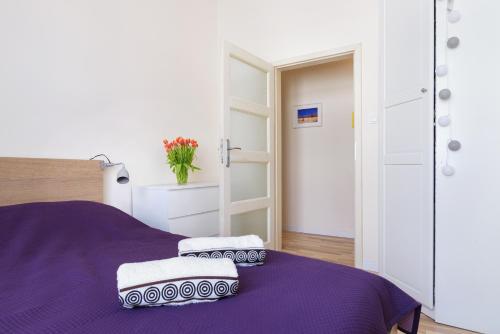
x,y
122,176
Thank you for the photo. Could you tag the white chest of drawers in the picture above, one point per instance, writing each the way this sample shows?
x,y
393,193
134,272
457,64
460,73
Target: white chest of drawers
x,y
191,210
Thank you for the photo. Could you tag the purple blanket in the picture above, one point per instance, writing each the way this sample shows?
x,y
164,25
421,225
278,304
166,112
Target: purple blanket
x,y
58,265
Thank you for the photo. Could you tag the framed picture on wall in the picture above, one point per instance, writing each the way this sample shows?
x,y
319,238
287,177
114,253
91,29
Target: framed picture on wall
x,y
307,115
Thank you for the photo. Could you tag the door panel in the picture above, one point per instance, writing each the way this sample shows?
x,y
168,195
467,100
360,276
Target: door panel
x,y
247,146
251,222
407,176
255,136
406,44
247,82
405,129
404,216
248,180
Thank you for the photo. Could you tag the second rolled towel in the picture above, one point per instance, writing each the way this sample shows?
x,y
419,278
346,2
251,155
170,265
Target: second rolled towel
x,y
176,281
247,250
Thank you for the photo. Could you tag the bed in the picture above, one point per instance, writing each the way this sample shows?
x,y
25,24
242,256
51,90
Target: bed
x,y
59,260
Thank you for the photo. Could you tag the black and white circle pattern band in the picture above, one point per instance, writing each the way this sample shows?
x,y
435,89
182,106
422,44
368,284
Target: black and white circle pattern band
x,y
133,298
169,292
216,255
239,256
229,255
152,295
262,255
204,255
187,290
252,256
234,288
179,292
221,288
204,289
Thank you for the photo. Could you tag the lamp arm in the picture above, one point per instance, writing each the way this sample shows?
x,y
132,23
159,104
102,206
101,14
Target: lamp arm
x,y
101,155
111,164
107,164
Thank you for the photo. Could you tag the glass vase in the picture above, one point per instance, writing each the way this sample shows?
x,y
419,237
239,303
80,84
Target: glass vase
x,y
182,175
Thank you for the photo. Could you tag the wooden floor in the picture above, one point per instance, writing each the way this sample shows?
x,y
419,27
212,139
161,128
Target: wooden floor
x,y
341,250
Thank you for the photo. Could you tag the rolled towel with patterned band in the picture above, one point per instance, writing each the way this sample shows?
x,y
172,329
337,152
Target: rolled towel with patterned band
x,y
247,250
176,281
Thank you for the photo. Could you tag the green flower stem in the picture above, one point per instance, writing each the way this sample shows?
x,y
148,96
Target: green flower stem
x,y
180,160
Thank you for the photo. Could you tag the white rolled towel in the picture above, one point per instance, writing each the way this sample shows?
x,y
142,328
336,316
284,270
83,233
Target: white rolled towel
x,y
176,281
247,250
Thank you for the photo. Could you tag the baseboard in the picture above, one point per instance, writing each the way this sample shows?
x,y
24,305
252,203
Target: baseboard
x,y
299,229
428,312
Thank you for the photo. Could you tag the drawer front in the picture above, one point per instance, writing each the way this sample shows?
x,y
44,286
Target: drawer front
x,y
149,207
184,202
200,225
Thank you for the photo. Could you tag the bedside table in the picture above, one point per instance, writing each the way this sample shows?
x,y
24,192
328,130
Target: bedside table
x,y
191,210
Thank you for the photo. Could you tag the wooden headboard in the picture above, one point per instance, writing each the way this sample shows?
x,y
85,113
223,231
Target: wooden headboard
x,y
25,180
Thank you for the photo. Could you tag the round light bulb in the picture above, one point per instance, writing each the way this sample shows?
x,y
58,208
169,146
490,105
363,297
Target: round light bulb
x,y
454,145
441,70
454,16
448,170
444,94
444,120
453,42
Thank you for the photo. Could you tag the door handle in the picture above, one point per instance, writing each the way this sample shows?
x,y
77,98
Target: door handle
x,y
221,151
228,152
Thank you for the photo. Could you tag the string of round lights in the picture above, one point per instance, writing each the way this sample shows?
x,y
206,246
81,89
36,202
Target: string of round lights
x,y
445,94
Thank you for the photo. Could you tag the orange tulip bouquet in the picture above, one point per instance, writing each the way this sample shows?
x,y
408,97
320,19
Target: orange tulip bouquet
x,y
180,156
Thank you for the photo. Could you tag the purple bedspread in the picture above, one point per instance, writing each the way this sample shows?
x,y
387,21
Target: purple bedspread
x,y
58,265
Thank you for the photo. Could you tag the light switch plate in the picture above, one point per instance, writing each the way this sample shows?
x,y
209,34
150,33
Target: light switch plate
x,y
372,118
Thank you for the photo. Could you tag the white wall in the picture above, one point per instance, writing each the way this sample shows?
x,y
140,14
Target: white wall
x,y
467,208
83,77
318,162
280,29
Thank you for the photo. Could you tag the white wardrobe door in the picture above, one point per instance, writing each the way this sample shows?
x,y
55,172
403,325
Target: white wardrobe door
x,y
407,192
468,203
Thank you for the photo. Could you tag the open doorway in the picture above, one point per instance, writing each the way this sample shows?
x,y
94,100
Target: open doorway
x,y
318,155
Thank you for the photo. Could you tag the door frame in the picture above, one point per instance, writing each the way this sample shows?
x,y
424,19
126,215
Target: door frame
x,y
306,61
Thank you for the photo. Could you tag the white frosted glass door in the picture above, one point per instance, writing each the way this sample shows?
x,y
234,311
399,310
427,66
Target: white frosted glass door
x,y
247,147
